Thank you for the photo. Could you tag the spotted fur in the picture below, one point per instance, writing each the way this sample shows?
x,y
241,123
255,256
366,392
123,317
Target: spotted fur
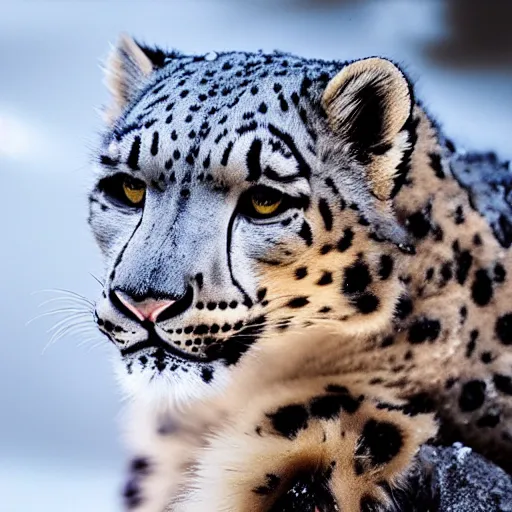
x,y
321,340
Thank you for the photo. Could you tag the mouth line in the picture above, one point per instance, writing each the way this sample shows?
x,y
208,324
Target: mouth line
x,y
155,341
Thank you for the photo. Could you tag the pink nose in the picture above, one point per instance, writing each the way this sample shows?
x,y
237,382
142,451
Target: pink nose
x,y
148,309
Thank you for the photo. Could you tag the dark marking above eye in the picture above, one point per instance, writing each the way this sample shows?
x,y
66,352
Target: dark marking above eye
x,y
472,395
225,155
481,289
326,213
253,161
503,329
133,157
289,420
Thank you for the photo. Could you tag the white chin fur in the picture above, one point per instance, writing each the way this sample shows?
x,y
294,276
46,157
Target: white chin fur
x,y
169,389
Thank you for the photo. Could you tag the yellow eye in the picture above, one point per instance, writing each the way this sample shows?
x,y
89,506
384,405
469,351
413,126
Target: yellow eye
x,y
266,201
134,191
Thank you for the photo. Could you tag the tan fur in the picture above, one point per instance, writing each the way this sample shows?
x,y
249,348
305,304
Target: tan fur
x,y
220,451
285,368
123,75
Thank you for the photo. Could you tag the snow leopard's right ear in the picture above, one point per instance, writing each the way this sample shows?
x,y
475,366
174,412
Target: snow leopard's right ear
x,y
127,69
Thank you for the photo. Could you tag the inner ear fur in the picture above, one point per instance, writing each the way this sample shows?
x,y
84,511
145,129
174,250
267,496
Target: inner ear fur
x,y
127,69
368,104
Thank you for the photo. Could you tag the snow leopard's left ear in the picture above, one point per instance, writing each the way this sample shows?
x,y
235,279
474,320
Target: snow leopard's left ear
x,y
126,72
368,104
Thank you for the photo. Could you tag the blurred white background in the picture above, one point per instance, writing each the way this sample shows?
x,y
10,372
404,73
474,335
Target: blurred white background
x,y
59,448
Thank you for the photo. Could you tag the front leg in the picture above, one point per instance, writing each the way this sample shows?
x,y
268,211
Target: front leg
x,y
357,441
162,443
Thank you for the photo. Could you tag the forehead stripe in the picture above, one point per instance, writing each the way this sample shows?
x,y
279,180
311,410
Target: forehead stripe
x,y
304,169
253,161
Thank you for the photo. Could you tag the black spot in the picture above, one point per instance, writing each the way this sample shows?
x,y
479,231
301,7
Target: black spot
x,y
481,289
435,163
379,442
262,292
232,349
477,240
459,215
463,312
357,278
385,267
283,103
503,383
463,262
206,374
289,420
420,403
345,241
272,483
133,157
499,273
140,466
325,249
132,494
305,233
325,279
503,329
419,224
262,108
329,406
403,307
298,302
470,347
301,273
429,274
253,160
387,341
424,329
446,272
326,213
486,357
107,161
488,421
366,303
225,155
472,395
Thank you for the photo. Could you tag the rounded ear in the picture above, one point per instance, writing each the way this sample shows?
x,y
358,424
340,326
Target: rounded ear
x,y
368,104
127,69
